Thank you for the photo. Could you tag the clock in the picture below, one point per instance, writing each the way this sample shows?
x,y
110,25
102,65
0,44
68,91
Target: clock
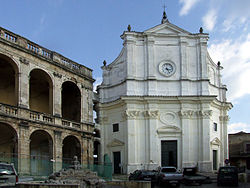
x,y
167,68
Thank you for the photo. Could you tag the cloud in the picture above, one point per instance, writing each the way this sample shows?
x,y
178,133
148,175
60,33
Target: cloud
x,y
209,20
98,81
235,58
187,5
237,127
232,14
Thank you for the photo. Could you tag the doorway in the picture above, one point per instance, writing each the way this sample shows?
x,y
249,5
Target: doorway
x,y
169,153
117,162
214,159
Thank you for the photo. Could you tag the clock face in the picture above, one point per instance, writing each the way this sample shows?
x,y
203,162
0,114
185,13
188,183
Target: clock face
x,y
167,68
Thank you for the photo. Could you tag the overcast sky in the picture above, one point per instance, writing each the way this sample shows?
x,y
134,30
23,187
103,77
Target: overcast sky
x,y
88,32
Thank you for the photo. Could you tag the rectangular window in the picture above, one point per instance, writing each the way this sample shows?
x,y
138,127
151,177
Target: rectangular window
x,y
115,127
215,126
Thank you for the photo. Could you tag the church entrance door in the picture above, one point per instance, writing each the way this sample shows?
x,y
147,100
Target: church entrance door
x,y
169,153
117,162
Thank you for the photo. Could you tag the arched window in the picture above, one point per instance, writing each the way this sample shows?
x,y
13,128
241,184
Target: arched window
x,y
71,102
8,81
41,92
8,144
41,153
71,148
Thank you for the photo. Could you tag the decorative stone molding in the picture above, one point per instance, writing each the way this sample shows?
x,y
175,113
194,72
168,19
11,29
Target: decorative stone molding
x,y
168,129
205,113
133,114
186,113
24,61
151,114
224,118
168,118
115,142
56,74
215,141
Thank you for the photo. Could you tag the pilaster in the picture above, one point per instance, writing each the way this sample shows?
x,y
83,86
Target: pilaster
x,y
151,117
183,54
132,150
23,77
185,116
224,137
131,64
57,156
205,162
57,95
150,57
24,149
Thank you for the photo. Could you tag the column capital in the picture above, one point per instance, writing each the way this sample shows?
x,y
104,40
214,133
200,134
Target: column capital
x,y
224,118
186,114
131,114
205,113
153,114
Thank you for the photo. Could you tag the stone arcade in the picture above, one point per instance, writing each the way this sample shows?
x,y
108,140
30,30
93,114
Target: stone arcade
x,y
162,102
46,108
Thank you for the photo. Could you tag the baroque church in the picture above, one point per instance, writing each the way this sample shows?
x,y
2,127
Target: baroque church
x,y
162,102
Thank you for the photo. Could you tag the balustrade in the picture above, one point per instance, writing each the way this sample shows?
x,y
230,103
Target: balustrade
x,y
15,39
9,110
16,112
10,37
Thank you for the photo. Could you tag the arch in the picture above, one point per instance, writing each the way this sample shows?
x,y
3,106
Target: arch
x,y
8,144
41,91
41,153
71,101
71,148
8,81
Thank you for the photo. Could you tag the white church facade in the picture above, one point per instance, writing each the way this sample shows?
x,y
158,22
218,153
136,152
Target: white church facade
x,y
162,103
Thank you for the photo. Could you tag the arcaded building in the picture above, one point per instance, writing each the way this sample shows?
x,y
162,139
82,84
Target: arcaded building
x,y
162,102
46,110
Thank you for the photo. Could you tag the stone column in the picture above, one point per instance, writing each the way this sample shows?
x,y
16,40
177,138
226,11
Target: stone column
x,y
24,149
185,116
205,162
151,117
132,150
57,151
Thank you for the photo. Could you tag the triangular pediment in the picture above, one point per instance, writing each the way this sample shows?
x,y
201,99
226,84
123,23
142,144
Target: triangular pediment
x,y
168,129
215,141
167,28
115,142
